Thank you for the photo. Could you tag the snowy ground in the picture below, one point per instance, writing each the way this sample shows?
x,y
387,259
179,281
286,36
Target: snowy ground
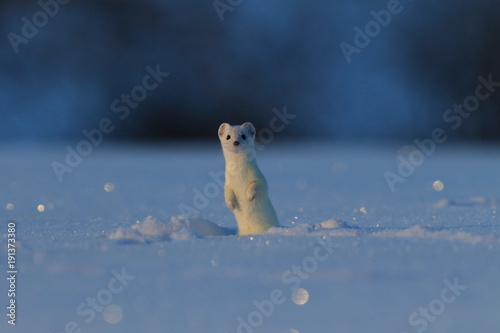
x,y
105,250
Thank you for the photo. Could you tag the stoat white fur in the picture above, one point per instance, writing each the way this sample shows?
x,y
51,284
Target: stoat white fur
x,y
245,190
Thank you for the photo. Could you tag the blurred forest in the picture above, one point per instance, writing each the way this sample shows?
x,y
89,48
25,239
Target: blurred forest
x,y
261,55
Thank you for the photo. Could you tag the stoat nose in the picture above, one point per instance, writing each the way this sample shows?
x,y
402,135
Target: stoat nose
x,y
236,143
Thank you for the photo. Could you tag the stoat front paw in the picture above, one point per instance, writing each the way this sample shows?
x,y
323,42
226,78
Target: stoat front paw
x,y
231,204
251,193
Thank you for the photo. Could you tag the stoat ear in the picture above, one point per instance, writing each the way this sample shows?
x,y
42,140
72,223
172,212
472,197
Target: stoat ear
x,y
250,128
222,128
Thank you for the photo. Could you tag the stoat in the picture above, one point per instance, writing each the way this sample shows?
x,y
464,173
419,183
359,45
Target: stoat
x,y
245,189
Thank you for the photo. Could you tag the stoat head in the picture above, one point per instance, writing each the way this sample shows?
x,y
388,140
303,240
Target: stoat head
x,y
237,139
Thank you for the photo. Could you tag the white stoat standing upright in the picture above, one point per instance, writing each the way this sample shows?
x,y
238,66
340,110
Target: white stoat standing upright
x,y
245,189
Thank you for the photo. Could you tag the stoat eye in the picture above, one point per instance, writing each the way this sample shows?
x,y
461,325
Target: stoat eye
x,y
244,137
228,137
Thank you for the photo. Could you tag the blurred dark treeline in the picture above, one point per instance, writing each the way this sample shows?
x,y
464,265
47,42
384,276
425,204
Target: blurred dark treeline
x,y
262,55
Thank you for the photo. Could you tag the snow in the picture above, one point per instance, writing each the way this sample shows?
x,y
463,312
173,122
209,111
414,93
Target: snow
x,y
178,228
113,249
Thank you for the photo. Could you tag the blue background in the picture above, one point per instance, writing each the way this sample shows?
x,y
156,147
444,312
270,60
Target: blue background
x,y
262,55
